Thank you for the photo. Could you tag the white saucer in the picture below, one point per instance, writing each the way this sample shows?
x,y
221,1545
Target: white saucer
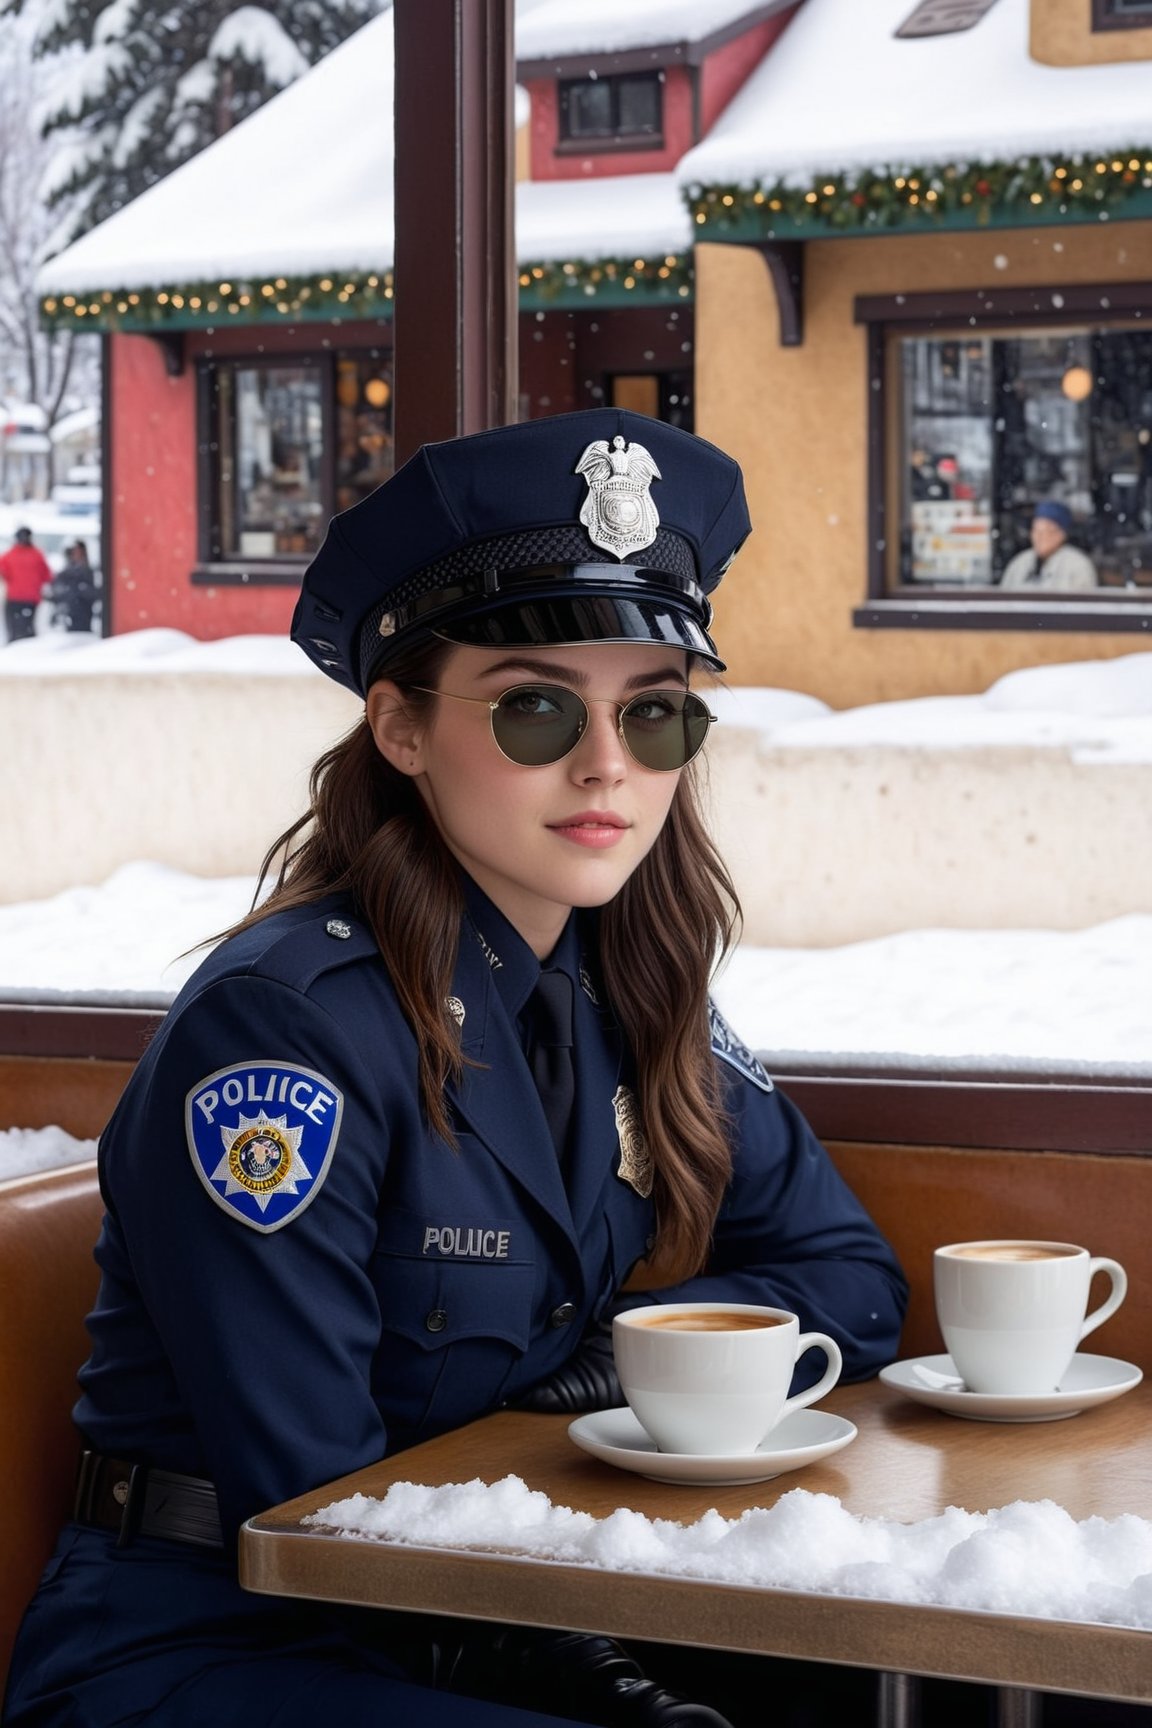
x,y
1090,1380
617,1437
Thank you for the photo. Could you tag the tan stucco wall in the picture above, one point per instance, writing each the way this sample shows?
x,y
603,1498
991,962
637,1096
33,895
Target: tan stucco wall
x,y
795,418
1060,34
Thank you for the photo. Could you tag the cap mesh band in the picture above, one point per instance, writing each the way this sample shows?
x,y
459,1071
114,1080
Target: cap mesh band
x,y
669,553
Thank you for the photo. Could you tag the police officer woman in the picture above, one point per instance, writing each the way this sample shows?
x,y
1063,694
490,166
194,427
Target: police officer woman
x,y
404,1136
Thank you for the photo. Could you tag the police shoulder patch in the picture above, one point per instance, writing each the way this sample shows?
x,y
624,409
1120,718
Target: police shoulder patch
x,y
728,1047
261,1136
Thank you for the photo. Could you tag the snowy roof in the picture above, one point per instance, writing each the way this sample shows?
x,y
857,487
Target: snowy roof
x,y
282,194
839,91
563,27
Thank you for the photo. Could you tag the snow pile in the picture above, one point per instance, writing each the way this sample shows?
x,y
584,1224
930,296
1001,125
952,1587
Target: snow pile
x,y
1098,710
939,999
1029,1558
25,1151
1076,1000
124,942
155,650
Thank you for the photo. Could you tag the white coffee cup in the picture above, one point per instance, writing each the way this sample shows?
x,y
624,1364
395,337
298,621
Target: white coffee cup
x,y
1013,1311
712,1378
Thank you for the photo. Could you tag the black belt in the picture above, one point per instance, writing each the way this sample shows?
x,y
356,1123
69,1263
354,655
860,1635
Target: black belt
x,y
136,1500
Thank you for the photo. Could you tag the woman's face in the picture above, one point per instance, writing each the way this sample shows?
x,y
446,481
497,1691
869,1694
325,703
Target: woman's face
x,y
537,840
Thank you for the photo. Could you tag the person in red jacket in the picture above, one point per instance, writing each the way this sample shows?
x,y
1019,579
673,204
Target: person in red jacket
x,y
26,574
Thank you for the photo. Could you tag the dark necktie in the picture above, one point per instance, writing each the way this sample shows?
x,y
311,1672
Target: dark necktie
x,y
550,1053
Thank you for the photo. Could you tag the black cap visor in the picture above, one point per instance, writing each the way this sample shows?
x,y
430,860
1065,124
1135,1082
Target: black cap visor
x,y
584,618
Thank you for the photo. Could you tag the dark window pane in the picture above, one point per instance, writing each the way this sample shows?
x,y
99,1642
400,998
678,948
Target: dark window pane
x,y
1130,9
639,106
588,108
363,425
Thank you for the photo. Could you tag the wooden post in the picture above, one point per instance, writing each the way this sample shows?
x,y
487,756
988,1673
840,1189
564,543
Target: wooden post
x,y
456,290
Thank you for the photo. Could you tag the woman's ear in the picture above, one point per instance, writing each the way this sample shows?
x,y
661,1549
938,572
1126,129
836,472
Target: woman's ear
x,y
396,727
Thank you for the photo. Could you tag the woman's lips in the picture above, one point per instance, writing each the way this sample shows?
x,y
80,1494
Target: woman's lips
x,y
594,828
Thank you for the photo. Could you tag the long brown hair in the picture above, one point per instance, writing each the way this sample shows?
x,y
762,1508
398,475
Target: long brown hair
x,y
367,832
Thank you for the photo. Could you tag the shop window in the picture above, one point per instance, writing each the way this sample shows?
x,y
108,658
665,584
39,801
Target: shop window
x,y
1121,14
287,441
625,111
1011,458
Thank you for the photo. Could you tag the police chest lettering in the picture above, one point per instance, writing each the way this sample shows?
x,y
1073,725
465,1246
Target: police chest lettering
x,y
252,1088
466,1242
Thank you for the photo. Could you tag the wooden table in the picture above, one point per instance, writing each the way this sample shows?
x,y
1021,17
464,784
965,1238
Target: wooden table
x,y
908,1462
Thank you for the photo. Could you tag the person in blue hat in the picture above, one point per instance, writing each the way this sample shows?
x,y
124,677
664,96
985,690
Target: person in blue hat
x,y
1050,561
406,1135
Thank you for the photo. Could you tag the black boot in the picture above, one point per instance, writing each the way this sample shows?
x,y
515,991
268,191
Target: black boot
x,y
576,1675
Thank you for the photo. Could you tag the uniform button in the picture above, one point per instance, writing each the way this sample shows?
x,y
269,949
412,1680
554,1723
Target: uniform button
x,y
436,1320
564,1314
339,928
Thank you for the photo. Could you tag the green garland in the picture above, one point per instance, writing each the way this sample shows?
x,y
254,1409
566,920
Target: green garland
x,y
282,299
1031,186
213,303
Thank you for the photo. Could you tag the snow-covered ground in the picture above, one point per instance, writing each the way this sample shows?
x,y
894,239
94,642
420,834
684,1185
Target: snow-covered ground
x,y
1024,999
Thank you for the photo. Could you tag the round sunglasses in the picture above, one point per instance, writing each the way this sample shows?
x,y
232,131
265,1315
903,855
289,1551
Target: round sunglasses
x,y
535,724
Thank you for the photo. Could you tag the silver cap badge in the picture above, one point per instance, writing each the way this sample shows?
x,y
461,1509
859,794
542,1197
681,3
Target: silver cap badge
x,y
618,512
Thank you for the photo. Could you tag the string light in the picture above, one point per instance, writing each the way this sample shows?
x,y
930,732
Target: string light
x,y
668,276
1081,187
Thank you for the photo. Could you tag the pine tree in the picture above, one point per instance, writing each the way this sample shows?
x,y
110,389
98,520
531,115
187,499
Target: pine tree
x,y
142,85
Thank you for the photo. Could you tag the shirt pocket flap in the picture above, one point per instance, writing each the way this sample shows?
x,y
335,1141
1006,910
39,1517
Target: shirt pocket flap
x,y
436,1303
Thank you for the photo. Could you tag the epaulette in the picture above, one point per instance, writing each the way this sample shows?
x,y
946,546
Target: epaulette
x,y
298,955
728,1047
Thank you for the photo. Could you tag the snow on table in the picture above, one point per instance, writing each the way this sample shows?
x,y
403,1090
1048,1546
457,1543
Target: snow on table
x,y
1028,1558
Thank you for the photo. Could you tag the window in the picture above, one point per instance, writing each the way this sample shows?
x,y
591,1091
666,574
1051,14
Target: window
x,y
993,423
288,441
1032,397
1121,14
625,110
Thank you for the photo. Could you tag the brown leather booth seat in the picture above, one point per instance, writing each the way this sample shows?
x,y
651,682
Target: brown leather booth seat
x,y
48,1228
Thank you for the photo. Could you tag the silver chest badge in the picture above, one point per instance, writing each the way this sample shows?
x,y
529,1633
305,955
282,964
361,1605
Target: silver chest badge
x,y
635,1158
618,512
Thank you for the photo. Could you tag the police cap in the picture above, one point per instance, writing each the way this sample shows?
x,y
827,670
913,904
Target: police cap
x,y
602,526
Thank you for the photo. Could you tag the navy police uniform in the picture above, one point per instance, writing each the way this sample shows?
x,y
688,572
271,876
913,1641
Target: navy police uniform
x,y
299,1276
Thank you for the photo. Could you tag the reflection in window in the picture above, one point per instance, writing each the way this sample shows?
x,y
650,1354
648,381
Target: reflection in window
x,y
627,106
271,437
1111,14
363,426
991,425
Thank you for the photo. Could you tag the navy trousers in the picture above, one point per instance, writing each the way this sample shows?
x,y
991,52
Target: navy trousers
x,y
162,1634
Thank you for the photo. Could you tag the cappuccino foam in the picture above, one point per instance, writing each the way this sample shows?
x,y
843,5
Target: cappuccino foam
x,y
1016,1251
710,1320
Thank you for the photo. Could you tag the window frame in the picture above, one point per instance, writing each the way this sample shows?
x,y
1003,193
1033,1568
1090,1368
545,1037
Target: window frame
x,y
936,607
568,144
1104,18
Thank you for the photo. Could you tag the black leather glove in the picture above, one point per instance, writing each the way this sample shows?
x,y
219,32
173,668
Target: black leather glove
x,y
587,1381
576,1675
